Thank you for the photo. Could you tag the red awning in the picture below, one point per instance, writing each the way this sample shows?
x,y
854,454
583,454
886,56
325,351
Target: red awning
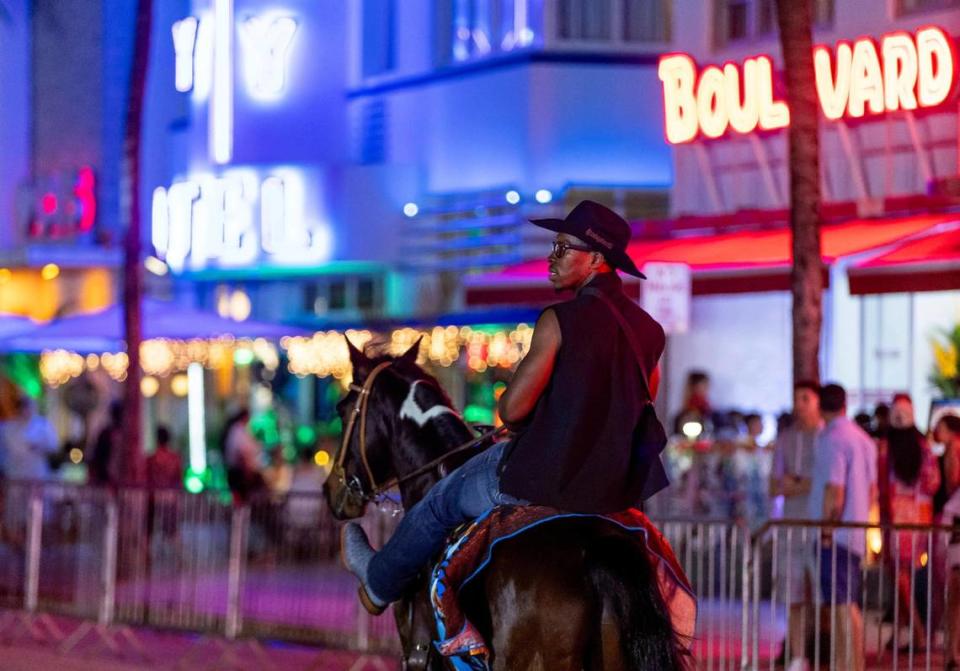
x,y
740,262
928,263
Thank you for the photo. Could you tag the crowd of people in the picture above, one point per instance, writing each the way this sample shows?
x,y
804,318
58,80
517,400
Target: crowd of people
x,y
826,467
30,449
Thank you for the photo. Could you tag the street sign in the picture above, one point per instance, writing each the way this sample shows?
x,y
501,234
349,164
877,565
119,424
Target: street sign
x,y
666,295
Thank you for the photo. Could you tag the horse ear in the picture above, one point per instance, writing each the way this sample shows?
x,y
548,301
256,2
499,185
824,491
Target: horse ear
x,y
358,359
410,356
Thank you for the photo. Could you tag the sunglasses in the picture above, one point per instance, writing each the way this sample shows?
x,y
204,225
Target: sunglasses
x,y
560,248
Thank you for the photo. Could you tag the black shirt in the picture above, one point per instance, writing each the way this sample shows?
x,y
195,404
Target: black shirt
x,y
576,452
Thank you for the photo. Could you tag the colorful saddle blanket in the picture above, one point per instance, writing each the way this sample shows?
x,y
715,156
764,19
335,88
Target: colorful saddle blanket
x,y
470,552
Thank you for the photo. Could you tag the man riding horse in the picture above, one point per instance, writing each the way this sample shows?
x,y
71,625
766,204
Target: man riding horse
x,y
577,404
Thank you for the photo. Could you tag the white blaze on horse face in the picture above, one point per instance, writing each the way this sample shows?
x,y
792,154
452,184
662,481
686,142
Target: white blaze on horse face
x,y
410,409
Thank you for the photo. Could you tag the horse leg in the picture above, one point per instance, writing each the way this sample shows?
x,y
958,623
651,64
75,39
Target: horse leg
x,y
540,613
605,652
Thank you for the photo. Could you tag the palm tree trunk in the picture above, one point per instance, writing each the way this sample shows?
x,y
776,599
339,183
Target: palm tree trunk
x,y
133,465
795,18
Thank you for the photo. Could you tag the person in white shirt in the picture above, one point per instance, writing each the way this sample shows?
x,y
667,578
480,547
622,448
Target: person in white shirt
x,y
844,487
27,440
790,479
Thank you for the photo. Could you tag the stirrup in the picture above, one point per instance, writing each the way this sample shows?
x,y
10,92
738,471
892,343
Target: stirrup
x,y
368,603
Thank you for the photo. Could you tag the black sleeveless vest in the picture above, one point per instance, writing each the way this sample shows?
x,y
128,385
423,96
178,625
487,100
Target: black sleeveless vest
x,y
575,453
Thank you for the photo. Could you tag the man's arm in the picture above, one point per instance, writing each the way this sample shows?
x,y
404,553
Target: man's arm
x,y
833,497
533,373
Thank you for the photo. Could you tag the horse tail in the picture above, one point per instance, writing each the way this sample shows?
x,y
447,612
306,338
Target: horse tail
x,y
626,589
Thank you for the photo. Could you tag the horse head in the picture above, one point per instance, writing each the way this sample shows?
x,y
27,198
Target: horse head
x,y
396,418
364,461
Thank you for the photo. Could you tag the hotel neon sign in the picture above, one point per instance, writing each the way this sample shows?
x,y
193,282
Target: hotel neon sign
x,y
865,77
237,215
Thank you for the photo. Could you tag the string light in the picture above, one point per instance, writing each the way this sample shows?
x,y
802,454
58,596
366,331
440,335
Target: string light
x,y
159,358
324,354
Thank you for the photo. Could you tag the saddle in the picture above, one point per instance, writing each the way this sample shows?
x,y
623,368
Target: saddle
x,y
471,548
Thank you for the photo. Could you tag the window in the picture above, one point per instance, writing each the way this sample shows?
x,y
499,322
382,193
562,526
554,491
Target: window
x,y
737,20
366,294
378,20
338,295
914,6
584,20
345,294
469,29
616,21
369,120
646,21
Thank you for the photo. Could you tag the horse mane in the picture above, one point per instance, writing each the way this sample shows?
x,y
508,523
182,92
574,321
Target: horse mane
x,y
452,430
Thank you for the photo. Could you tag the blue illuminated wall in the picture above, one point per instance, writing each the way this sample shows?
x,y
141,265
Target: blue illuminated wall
x,y
368,142
14,110
532,125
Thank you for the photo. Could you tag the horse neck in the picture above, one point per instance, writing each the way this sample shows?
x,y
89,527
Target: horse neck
x,y
419,445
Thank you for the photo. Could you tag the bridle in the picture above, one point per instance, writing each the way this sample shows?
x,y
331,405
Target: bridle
x,y
351,490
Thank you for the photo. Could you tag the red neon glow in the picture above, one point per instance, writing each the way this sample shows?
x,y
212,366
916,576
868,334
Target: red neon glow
x,y
87,198
900,72
758,249
48,203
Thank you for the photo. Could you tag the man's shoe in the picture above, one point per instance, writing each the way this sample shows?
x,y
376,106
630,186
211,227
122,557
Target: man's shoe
x,y
356,553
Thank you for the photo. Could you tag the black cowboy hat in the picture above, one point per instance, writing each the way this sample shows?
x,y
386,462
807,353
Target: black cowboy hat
x,y
599,227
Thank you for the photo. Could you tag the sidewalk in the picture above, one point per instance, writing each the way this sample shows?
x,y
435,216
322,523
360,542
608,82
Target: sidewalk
x,y
149,649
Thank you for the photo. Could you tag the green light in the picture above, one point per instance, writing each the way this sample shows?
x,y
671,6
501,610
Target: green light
x,y
478,414
243,356
194,484
289,453
306,435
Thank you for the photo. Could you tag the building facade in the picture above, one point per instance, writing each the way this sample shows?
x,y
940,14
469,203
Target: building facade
x,y
889,138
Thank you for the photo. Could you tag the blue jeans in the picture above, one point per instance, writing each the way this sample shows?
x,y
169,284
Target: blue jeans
x,y
463,495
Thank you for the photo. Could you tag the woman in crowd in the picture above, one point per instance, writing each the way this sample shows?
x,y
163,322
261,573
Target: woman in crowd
x,y
909,477
696,402
244,458
947,432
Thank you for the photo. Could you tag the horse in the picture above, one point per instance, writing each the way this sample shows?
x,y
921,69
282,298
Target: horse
x,y
596,606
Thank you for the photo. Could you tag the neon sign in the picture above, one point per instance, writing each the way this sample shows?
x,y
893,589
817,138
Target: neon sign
x,y
901,72
265,41
203,52
59,206
233,218
239,216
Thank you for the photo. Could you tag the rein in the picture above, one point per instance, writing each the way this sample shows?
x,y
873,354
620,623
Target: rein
x,y
354,488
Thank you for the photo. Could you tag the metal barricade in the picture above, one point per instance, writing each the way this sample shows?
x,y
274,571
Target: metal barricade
x,y
712,554
849,596
294,586
271,570
74,540
173,559
14,503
